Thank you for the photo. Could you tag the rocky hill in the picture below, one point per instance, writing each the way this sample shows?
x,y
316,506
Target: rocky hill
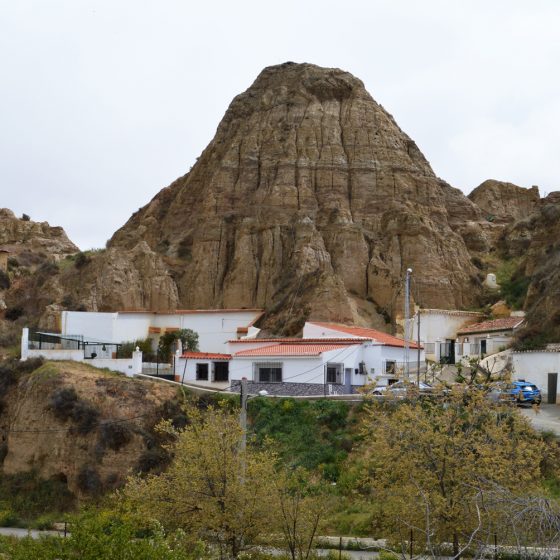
x,y
33,251
533,244
310,201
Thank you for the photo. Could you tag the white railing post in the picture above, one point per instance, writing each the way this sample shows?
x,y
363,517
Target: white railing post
x,y
24,344
136,361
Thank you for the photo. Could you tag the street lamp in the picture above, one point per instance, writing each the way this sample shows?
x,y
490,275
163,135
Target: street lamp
x,y
243,413
406,319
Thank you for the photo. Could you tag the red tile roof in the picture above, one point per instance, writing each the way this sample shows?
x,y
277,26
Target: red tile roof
x,y
286,349
206,356
504,324
372,334
346,340
191,311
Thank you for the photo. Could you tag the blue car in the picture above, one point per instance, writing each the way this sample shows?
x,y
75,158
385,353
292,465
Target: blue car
x,y
525,392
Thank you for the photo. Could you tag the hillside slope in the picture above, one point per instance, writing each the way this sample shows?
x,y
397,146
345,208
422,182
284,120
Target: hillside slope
x,y
80,425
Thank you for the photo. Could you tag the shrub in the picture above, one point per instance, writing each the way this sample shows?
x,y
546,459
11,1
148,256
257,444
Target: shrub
x,y
115,435
8,518
81,260
4,280
25,217
3,451
65,405
13,263
13,313
89,481
62,402
152,459
127,348
28,495
86,416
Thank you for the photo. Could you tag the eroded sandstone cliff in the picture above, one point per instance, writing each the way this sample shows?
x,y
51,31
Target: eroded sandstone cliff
x,y
310,201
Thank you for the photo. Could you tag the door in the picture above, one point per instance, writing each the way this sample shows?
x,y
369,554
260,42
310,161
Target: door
x,y
451,354
552,387
348,380
483,347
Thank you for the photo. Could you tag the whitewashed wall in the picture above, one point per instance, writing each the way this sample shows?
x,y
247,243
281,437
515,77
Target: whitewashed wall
x,y
92,325
535,367
214,328
435,324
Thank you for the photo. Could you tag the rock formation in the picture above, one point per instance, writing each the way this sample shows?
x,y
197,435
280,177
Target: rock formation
x,y
534,243
309,202
504,202
19,235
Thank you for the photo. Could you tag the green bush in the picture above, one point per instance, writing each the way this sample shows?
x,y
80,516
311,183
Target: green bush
x,y
315,435
8,518
27,495
145,345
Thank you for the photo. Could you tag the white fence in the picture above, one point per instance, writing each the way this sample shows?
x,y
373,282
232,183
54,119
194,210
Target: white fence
x,y
128,366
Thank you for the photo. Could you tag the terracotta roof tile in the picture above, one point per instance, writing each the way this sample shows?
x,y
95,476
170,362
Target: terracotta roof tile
x,y
206,356
286,349
504,324
345,340
372,334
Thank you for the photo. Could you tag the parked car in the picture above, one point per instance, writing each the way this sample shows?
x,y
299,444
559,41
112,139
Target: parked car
x,y
519,392
401,388
526,392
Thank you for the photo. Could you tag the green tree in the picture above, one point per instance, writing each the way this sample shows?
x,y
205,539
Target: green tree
x,y
430,463
188,338
213,490
302,509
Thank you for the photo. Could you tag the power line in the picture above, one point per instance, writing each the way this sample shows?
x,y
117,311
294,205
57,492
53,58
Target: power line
x,y
70,428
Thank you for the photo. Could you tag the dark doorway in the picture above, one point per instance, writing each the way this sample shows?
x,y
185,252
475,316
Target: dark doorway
x,y
483,346
552,387
221,371
451,351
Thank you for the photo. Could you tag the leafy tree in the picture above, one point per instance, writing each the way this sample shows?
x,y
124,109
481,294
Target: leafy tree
x,y
302,510
213,490
430,463
188,338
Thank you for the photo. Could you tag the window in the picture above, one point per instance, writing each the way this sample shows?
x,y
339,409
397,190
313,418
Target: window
x,y
202,372
221,371
270,372
390,368
334,373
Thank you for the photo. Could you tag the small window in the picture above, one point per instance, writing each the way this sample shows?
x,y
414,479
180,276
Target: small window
x,y
268,372
221,371
202,372
334,373
390,368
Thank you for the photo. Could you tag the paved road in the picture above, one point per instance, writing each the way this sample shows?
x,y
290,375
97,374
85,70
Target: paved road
x,y
545,417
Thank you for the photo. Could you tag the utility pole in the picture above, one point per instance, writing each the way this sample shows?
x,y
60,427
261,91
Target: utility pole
x,y
406,319
243,414
418,351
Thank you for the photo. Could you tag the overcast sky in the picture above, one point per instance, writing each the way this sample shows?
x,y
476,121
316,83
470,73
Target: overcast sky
x,y
105,102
